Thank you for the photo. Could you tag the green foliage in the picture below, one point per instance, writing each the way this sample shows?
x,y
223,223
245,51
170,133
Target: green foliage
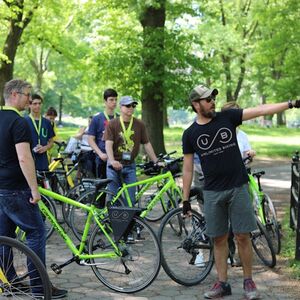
x,y
79,48
289,246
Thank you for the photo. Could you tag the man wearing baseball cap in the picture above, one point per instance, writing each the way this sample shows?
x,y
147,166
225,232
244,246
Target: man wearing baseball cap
x,y
123,137
213,138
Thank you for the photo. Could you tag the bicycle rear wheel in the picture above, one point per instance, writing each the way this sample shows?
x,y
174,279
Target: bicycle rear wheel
x,y
140,261
77,215
74,193
187,253
271,224
263,246
22,274
167,201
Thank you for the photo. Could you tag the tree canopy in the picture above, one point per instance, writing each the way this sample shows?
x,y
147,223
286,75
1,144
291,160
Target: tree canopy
x,y
154,50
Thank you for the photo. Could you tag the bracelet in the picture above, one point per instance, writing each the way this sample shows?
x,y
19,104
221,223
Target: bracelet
x,y
290,104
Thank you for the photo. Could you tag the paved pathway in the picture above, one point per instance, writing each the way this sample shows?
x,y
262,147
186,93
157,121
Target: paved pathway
x,y
273,284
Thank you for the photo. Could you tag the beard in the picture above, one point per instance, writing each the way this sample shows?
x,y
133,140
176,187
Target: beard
x,y
208,113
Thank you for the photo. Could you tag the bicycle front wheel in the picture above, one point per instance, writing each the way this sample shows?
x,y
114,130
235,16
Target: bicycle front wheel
x,y
22,274
187,253
139,263
271,224
51,206
263,246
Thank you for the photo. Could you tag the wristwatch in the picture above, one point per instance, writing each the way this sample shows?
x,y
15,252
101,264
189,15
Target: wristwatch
x,y
290,104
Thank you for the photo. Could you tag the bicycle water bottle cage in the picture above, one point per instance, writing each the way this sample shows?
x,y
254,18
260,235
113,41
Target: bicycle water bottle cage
x,y
121,220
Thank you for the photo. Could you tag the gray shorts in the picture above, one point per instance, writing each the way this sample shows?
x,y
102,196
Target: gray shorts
x,y
231,206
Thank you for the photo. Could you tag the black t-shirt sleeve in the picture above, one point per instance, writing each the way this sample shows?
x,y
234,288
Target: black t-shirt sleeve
x,y
187,147
235,116
21,132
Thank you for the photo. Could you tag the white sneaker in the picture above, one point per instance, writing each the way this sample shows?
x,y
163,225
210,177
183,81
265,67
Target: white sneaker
x,y
199,261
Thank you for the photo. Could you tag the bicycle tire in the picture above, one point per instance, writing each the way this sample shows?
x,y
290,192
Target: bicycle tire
x,y
77,216
262,245
271,224
156,213
141,255
179,252
74,193
166,202
51,206
25,263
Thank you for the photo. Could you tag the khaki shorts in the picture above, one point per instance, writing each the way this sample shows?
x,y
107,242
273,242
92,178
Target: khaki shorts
x,y
231,206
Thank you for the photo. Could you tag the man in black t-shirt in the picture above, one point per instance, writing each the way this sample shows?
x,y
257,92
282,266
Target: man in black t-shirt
x,y
213,138
18,184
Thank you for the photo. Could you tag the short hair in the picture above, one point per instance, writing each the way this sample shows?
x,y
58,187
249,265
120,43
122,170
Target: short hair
x,y
36,96
109,93
17,85
51,111
230,105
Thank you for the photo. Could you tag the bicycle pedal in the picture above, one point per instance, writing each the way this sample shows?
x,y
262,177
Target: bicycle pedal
x,y
56,268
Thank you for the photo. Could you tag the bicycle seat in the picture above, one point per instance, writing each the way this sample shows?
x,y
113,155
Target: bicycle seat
x,y
258,173
100,183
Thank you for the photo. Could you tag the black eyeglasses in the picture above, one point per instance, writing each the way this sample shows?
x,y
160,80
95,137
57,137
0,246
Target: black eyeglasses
x,y
209,99
133,105
27,95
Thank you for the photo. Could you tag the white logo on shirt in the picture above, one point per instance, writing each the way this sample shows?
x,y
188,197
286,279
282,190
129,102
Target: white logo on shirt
x,y
205,141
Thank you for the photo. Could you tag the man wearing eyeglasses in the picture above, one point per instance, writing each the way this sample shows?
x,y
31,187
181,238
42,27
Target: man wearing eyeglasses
x,y
42,133
213,138
123,137
18,186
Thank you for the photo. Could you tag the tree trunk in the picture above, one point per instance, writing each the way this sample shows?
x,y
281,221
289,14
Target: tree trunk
x,y
281,119
16,28
153,22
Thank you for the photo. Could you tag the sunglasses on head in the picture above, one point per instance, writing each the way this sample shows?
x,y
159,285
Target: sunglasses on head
x,y
209,99
133,105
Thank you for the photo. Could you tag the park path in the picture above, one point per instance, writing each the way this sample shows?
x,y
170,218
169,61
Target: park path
x,y
274,284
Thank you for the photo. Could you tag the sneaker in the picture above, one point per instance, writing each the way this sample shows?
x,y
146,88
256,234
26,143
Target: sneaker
x,y
199,261
219,290
250,289
56,294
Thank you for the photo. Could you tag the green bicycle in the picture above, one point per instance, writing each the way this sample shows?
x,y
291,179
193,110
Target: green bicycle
x,y
264,208
121,264
163,198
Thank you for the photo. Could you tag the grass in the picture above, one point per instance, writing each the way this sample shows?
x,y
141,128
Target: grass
x,y
289,247
275,142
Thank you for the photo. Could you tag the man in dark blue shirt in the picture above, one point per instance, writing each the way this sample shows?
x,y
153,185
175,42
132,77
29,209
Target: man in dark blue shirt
x,y
42,133
213,138
96,130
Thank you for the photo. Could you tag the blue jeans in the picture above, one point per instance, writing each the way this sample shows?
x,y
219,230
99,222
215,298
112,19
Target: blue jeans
x,y
129,176
16,210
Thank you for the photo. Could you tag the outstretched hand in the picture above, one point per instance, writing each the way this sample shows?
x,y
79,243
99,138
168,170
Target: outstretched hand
x,y
297,104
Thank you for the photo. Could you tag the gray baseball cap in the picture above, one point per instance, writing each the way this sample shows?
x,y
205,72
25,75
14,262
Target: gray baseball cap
x,y
202,92
125,100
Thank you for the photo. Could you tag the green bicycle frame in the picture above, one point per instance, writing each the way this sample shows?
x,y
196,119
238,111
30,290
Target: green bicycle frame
x,y
256,197
167,181
93,213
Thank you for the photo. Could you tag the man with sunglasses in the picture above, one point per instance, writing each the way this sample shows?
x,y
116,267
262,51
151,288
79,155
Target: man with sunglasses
x,y
123,137
42,133
213,138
